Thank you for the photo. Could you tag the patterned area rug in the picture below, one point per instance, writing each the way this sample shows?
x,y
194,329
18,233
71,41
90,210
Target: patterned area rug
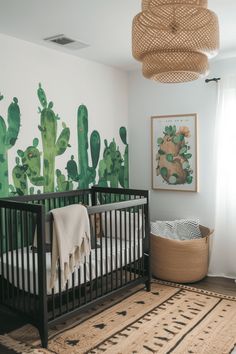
x,y
169,319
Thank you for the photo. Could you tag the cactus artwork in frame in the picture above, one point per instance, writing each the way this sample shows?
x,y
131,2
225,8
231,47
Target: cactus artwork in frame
x,y
174,152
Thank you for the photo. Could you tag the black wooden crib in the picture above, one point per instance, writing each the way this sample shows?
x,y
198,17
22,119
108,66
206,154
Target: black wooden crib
x,y
120,257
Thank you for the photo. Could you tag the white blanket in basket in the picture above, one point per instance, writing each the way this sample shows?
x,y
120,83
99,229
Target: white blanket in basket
x,y
184,229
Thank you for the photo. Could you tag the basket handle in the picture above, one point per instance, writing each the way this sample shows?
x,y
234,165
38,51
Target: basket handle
x,y
210,233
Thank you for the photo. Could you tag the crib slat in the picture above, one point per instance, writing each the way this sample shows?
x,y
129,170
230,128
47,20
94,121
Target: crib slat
x,y
85,280
16,232
143,240
90,257
139,242
49,204
101,251
111,247
116,248
67,297
22,257
28,261
142,243
134,242
34,261
53,304
130,256
73,290
90,278
11,233
7,252
79,288
59,286
96,260
106,253
121,248
2,233
126,275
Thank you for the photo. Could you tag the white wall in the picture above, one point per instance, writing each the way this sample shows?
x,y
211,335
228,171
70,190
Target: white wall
x,y
148,98
68,82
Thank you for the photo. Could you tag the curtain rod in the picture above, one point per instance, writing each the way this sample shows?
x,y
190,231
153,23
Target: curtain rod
x,y
216,79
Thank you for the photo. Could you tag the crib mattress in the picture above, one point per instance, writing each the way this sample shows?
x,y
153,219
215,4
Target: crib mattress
x,y
22,269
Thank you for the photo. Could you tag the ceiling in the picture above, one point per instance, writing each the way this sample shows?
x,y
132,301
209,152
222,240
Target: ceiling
x,y
103,24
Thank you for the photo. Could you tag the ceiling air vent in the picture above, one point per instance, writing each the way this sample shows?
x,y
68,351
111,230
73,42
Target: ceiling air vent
x,y
62,40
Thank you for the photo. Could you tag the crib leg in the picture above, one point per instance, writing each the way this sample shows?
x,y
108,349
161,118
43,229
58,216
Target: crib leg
x,y
43,332
147,266
148,285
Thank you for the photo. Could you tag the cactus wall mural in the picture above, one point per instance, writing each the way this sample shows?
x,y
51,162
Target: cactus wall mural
x,y
113,168
28,167
52,146
36,170
8,135
124,170
82,172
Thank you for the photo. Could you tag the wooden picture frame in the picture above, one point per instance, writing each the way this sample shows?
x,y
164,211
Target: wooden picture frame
x,y
174,152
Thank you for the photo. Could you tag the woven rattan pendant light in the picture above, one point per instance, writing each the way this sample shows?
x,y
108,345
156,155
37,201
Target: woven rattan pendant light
x,y
174,39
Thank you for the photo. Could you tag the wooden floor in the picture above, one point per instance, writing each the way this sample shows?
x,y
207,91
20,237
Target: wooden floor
x,y
219,285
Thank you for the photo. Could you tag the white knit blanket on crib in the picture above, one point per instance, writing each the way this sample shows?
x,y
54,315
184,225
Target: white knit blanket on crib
x,y
71,240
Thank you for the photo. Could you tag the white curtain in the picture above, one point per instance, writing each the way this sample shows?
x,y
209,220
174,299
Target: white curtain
x,y
223,255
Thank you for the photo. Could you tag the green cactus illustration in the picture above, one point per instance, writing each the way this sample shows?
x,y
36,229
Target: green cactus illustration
x,y
72,169
19,177
31,161
28,166
8,137
110,165
52,146
82,172
113,168
62,184
124,170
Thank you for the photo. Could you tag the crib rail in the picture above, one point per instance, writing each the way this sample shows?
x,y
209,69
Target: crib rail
x,y
58,199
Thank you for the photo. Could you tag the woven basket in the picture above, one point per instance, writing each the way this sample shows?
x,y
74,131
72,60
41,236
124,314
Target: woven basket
x,y
180,261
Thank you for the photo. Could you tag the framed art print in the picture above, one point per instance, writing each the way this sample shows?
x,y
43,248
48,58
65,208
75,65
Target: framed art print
x,y
174,152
